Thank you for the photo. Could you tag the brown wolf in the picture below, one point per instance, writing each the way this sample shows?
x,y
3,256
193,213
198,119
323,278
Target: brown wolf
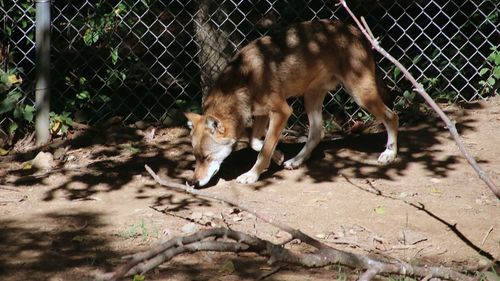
x,y
307,59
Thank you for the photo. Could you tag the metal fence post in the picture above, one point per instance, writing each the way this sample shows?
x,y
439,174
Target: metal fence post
x,y
42,86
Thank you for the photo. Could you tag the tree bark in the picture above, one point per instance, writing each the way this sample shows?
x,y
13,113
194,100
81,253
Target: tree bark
x,y
213,42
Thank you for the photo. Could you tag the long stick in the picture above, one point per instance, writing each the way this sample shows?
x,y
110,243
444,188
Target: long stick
x,y
420,90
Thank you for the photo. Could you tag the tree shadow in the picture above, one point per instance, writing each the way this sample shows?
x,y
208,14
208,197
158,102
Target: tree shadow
x,y
421,207
357,154
67,240
114,157
105,160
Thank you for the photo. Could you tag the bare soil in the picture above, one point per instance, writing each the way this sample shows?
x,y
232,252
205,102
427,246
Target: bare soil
x,y
98,203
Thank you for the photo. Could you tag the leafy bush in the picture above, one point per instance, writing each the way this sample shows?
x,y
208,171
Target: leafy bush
x,y
12,105
491,74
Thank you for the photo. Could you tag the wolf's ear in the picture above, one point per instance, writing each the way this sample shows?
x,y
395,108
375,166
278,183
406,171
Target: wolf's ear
x,y
193,119
214,125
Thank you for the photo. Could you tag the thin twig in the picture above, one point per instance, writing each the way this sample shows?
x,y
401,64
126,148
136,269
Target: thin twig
x,y
270,272
419,88
486,235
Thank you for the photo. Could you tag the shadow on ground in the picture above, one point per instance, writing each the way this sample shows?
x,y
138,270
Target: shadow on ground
x,y
115,156
39,253
417,145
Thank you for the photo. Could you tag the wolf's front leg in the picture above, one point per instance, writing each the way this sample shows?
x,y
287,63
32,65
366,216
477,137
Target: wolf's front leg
x,y
277,121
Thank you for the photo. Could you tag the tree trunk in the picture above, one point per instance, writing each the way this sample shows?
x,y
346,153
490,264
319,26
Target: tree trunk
x,y
213,42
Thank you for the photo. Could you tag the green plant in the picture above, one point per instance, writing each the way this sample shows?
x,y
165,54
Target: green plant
x,y
83,98
143,229
436,89
139,277
490,275
12,103
491,74
20,18
60,123
341,276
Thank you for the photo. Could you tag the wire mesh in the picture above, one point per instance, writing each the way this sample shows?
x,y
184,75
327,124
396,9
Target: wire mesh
x,y
152,59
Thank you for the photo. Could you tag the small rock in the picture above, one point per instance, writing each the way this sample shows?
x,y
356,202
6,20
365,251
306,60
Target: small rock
x,y
436,180
321,235
43,161
189,228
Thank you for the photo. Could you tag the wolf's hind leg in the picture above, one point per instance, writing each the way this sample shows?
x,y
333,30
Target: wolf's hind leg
x,y
366,93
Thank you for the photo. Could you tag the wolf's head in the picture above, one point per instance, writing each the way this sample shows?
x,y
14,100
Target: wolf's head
x,y
210,146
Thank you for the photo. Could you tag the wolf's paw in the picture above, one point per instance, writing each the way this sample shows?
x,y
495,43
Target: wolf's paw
x,y
387,157
292,164
247,178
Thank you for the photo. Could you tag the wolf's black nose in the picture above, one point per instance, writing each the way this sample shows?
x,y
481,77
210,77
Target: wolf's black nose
x,y
194,183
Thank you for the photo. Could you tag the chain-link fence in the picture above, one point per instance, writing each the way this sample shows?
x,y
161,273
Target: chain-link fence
x,y
152,59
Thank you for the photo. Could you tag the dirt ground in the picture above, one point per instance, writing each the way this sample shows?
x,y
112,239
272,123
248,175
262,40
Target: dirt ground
x,y
98,203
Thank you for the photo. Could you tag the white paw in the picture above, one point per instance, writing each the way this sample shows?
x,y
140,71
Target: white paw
x,y
247,178
387,157
292,164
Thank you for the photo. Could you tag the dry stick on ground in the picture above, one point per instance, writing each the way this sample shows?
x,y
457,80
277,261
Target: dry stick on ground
x,y
420,90
235,241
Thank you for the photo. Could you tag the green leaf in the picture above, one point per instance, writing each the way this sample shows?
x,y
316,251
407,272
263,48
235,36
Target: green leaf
x,y
130,148
483,71
380,210
436,190
496,72
82,80
139,277
78,239
497,58
114,55
8,29
227,267
491,81
104,98
409,96
9,103
397,72
87,37
84,95
12,128
90,37
416,59
28,113
3,152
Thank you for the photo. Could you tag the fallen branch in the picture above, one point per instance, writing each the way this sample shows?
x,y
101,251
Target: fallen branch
x,y
419,88
227,240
